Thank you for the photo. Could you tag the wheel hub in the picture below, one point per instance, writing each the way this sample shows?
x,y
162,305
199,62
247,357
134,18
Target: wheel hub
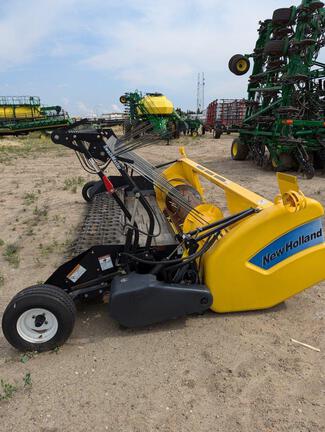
x,y
37,325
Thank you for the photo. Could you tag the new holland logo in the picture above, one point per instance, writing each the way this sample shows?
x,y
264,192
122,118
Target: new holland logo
x,y
295,241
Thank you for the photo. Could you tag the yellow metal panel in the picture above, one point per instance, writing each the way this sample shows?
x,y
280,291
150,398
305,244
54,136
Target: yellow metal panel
x,y
287,183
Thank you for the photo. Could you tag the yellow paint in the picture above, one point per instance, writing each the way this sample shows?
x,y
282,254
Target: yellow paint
x,y
158,105
234,149
242,65
19,111
235,283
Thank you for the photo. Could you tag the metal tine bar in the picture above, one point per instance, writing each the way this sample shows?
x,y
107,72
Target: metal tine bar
x,y
152,175
122,146
155,177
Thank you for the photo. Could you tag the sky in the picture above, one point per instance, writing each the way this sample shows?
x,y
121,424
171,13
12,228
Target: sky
x,y
84,54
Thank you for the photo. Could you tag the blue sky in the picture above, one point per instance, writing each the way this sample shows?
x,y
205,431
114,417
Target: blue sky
x,y
83,54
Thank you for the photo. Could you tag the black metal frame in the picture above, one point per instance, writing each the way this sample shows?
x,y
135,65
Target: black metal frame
x,y
128,257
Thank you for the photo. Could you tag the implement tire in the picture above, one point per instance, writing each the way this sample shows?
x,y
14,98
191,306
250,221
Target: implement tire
x,y
39,318
277,48
239,64
282,16
239,150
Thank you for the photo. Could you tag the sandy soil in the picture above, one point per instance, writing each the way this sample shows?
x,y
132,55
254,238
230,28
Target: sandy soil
x,y
233,372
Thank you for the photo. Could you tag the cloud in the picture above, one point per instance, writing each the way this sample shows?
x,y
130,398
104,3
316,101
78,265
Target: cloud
x,y
144,44
85,110
26,31
116,108
171,41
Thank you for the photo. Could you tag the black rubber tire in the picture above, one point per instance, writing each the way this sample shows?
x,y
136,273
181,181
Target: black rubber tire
x,y
49,297
123,99
276,48
217,133
282,16
319,159
236,61
309,172
239,150
316,5
86,190
286,163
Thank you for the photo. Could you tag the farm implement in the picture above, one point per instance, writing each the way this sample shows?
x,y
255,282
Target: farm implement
x,y
193,125
225,116
20,115
154,249
151,112
284,125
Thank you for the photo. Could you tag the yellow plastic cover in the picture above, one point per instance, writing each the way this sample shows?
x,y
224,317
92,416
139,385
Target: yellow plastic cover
x,y
158,105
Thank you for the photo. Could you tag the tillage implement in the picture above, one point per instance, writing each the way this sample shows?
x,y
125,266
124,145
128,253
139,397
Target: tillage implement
x,y
284,125
154,249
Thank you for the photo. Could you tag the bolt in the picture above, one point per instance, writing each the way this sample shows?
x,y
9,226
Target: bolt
x,y
204,300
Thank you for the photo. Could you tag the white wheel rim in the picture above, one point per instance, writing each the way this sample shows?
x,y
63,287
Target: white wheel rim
x,y
37,325
88,192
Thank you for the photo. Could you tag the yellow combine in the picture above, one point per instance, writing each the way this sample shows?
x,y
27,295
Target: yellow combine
x,y
155,249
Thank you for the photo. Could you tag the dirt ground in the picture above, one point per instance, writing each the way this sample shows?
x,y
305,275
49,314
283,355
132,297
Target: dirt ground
x,y
233,372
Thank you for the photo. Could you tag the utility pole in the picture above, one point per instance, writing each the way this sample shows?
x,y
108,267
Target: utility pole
x,y
203,85
198,93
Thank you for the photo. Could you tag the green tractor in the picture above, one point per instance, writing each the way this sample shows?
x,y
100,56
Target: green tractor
x,y
151,112
284,122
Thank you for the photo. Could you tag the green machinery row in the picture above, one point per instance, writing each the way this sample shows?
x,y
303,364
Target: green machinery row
x,y
158,112
284,125
20,115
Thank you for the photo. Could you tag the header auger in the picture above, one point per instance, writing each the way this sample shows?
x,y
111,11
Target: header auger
x,y
284,126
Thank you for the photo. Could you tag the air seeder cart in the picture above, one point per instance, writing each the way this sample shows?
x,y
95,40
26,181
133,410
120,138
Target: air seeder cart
x,y
164,252
152,111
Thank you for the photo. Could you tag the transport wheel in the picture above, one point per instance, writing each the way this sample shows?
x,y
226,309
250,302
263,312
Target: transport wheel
x,y
239,64
319,159
314,5
309,172
217,133
286,162
86,190
239,150
39,318
276,47
195,134
282,16
123,100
